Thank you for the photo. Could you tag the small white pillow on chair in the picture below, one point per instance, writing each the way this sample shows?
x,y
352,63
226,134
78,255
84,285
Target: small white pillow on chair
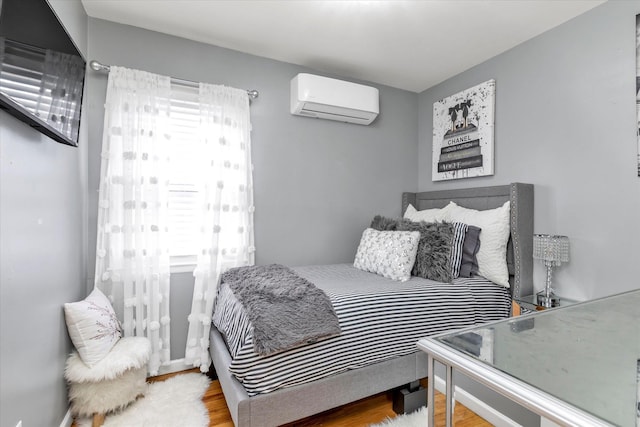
x,y
93,326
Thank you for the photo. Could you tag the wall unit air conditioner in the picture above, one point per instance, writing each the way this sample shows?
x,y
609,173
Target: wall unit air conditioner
x,y
325,98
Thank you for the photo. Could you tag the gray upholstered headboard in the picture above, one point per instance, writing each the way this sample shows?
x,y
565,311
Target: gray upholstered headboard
x,y
520,247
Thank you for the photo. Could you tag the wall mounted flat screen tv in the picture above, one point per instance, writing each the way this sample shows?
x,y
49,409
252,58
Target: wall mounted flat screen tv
x,y
41,70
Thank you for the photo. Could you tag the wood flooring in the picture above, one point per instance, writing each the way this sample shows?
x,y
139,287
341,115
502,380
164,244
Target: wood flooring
x,y
373,409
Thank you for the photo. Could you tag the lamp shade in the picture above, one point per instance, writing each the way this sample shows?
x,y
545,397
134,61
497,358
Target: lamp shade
x,y
554,249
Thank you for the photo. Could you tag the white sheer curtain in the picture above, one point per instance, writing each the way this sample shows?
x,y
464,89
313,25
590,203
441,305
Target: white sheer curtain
x,y
226,215
132,258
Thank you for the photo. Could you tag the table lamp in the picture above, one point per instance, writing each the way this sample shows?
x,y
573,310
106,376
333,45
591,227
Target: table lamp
x,y
553,250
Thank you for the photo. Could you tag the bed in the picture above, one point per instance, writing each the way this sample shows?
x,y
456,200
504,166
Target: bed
x,y
271,408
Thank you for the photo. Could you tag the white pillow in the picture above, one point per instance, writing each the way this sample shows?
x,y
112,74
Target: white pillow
x,y
494,235
426,215
388,253
93,326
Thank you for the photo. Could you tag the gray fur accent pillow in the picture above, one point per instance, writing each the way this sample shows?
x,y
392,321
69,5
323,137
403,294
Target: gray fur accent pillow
x,y
433,260
382,223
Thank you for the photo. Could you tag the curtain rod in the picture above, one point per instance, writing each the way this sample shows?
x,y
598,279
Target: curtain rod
x,y
96,66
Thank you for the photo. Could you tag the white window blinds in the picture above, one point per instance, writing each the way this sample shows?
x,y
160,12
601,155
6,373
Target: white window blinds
x,y
186,184
184,150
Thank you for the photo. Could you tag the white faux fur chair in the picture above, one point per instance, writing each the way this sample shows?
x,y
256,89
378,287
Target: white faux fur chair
x,y
112,383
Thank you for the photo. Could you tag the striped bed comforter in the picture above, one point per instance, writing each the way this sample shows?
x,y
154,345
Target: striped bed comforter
x,y
379,318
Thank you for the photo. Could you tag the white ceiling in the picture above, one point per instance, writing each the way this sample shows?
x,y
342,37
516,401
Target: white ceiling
x,y
411,45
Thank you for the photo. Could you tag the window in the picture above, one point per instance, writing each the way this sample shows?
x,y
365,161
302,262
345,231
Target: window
x,y
183,188
193,172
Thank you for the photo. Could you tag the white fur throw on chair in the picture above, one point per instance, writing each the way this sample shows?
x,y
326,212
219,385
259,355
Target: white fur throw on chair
x,y
113,382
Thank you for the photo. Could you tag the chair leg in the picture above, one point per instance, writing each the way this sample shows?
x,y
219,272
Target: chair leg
x,y
98,420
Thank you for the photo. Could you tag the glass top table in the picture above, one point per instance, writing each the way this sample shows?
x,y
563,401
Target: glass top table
x,y
575,365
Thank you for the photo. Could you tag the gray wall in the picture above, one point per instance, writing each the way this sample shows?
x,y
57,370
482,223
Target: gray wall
x,y
318,183
566,122
42,257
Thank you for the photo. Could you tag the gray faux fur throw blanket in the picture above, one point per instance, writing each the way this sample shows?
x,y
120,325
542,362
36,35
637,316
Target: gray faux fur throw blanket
x,y
286,310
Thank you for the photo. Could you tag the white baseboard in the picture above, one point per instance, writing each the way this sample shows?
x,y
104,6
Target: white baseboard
x,y
67,420
174,366
476,405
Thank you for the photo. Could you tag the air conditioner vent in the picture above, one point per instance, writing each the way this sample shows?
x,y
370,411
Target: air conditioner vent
x,y
332,99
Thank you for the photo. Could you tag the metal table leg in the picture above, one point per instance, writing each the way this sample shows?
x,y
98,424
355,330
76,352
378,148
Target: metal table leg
x,y
449,396
431,392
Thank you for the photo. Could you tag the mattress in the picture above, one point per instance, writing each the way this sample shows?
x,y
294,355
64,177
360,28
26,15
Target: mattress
x,y
380,319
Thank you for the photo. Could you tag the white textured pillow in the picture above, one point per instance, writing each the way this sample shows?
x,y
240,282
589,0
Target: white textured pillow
x,y
426,215
388,253
494,235
93,326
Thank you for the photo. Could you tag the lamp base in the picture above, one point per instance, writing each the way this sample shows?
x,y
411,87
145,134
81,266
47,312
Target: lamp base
x,y
548,300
